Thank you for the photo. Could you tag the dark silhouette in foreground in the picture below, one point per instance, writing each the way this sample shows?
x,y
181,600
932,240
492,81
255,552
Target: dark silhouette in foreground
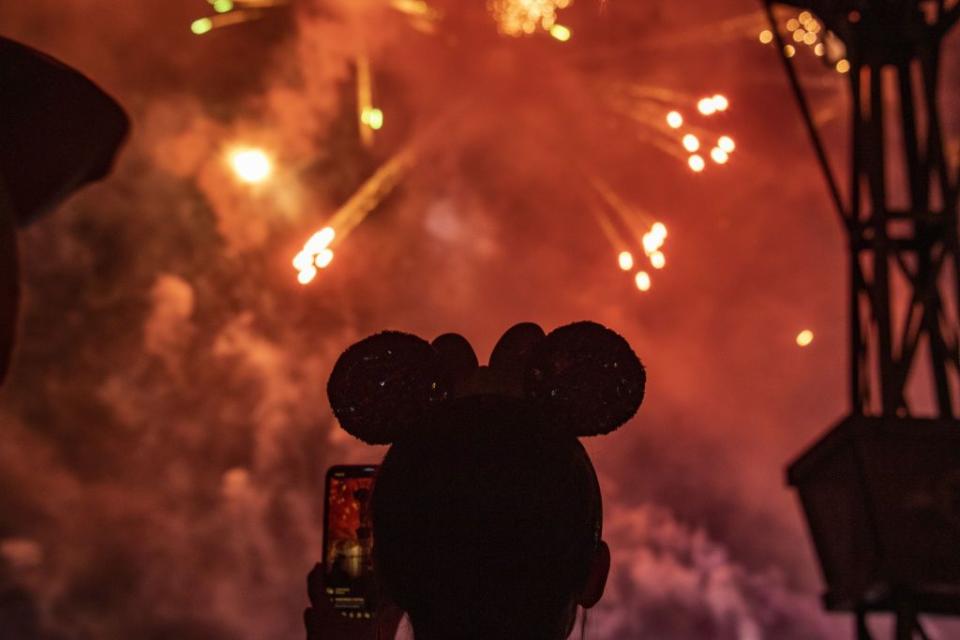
x,y
486,510
58,132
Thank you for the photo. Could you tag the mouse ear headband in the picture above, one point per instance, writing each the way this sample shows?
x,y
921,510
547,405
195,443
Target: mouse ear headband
x,y
583,378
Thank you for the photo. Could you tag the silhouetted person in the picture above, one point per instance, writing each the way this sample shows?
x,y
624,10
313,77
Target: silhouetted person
x,y
486,510
58,132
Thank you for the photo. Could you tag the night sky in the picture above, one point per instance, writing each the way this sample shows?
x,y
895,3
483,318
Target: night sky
x,y
166,427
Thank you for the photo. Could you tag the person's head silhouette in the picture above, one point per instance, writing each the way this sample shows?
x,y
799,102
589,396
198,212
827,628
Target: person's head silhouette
x,y
486,509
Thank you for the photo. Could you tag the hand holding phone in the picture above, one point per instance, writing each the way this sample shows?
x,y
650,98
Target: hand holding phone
x,y
348,540
324,622
342,589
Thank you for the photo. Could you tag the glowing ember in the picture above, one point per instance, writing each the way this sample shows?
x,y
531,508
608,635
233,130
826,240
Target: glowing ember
x,y
706,106
719,156
307,275
843,66
651,243
372,117
323,259
766,36
674,120
251,165
642,280
316,254
804,338
523,17
201,26
625,259
560,32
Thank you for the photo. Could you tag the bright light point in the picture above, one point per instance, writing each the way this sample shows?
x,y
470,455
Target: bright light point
x,y
793,24
674,120
719,156
323,259
691,142
625,260
201,26
789,51
223,6
642,280
307,275
319,241
843,66
372,117
659,230
805,17
251,165
804,338
658,260
799,35
651,242
727,144
809,38
720,102
302,261
707,107
819,50
560,32
766,36
697,163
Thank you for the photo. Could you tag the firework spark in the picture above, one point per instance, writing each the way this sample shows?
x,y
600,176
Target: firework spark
x,y
524,17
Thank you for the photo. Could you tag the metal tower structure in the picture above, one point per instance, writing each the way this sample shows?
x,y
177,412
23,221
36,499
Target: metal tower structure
x,y
881,490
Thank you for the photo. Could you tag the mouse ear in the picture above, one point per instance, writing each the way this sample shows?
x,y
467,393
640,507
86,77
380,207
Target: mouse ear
x,y
456,357
509,358
585,378
382,385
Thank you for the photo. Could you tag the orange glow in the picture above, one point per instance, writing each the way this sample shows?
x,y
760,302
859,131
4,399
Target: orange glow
x,y
720,102
719,156
789,51
809,38
793,24
658,260
697,163
674,120
727,144
625,259
819,50
805,17
642,280
843,66
804,338
766,36
799,35
659,230
691,142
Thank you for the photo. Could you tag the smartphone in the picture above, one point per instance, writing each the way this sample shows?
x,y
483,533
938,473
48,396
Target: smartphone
x,y
348,540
